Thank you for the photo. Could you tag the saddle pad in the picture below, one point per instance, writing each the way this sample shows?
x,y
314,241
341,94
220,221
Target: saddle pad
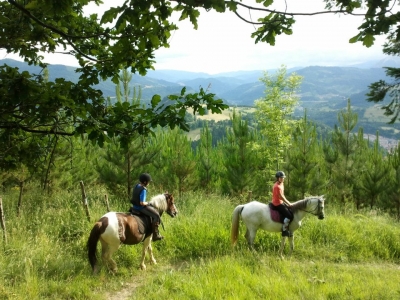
x,y
275,216
143,223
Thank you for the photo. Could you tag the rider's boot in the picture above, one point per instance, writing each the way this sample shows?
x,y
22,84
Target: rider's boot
x,y
285,227
156,233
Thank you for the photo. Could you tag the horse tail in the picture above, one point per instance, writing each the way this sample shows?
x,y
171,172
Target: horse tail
x,y
94,237
235,223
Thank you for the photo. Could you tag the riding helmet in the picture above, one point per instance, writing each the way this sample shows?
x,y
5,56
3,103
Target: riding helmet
x,y
144,177
280,174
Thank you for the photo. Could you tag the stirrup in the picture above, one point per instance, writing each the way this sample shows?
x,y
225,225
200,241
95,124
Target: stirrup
x,y
156,237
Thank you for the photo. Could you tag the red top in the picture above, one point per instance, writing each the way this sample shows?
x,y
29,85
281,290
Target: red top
x,y
277,191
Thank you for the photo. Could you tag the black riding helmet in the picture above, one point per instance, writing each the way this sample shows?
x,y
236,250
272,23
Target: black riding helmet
x,y
280,174
144,177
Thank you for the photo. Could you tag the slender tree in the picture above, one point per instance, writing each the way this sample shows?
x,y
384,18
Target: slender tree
x,y
392,200
206,157
239,160
374,179
127,152
344,142
274,115
177,169
302,159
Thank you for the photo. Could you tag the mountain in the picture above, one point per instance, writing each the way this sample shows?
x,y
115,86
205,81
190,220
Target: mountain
x,y
323,93
240,87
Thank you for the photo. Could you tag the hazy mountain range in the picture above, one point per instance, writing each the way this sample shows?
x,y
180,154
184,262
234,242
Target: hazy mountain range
x,y
242,87
323,93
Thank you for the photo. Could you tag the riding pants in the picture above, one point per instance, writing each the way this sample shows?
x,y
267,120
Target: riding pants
x,y
284,211
152,213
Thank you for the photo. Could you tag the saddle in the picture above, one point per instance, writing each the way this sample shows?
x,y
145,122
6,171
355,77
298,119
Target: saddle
x,y
143,221
275,215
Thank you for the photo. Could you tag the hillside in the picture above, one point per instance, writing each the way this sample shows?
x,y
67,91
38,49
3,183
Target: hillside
x,y
323,93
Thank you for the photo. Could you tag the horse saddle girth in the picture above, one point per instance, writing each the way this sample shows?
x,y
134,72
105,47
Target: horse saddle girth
x,y
275,215
143,221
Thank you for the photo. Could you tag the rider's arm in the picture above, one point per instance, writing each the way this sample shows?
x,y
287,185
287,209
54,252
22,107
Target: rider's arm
x,y
143,195
283,198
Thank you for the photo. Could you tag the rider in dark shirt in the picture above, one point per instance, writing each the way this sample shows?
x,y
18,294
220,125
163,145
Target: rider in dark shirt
x,y
139,203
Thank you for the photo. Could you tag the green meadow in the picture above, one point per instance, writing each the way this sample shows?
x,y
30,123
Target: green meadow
x,y
348,255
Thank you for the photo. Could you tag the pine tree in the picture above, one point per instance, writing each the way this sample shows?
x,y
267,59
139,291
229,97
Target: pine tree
x,y
125,157
344,145
178,161
238,157
206,157
302,159
392,201
374,179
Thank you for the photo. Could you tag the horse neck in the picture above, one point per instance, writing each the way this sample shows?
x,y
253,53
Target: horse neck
x,y
300,208
159,202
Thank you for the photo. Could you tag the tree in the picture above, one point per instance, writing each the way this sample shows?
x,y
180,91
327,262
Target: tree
x,y
177,161
373,180
128,152
206,157
381,91
339,154
274,114
124,37
302,158
393,193
239,160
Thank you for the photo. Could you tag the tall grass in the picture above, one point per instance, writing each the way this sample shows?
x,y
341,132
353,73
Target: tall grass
x,y
355,255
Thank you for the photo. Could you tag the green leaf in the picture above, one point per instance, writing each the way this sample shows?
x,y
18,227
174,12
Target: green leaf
x,y
155,100
183,91
267,3
109,15
368,40
155,41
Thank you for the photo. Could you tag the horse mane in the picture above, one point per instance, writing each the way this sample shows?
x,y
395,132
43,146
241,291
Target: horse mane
x,y
159,202
301,204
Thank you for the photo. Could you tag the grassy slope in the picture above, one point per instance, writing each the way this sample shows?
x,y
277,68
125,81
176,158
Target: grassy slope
x,y
351,256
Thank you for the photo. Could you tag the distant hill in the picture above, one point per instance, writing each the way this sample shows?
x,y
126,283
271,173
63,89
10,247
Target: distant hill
x,y
323,92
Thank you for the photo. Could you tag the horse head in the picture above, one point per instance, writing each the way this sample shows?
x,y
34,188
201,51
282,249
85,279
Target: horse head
x,y
320,207
171,208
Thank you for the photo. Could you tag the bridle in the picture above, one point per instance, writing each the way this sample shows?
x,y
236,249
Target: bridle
x,y
170,205
317,211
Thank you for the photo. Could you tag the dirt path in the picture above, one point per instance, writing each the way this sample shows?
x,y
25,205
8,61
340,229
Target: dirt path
x,y
126,291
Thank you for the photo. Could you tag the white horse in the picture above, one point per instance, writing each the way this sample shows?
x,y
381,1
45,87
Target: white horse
x,y
256,215
114,229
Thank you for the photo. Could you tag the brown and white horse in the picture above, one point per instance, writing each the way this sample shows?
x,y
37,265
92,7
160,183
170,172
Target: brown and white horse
x,y
115,228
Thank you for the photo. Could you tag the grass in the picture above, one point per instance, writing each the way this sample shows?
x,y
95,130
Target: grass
x,y
355,255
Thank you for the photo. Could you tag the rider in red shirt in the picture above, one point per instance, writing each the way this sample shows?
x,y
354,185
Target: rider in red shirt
x,y
280,202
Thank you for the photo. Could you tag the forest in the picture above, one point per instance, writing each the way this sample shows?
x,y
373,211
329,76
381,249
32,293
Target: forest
x,y
238,157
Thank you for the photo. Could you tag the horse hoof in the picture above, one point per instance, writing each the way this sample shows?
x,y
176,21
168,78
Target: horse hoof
x,y
143,267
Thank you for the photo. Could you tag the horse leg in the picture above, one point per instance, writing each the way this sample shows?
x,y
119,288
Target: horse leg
x,y
283,242
106,252
291,241
250,237
147,246
152,259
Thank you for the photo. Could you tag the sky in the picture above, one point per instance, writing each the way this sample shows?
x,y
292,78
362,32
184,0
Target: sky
x,y
223,43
